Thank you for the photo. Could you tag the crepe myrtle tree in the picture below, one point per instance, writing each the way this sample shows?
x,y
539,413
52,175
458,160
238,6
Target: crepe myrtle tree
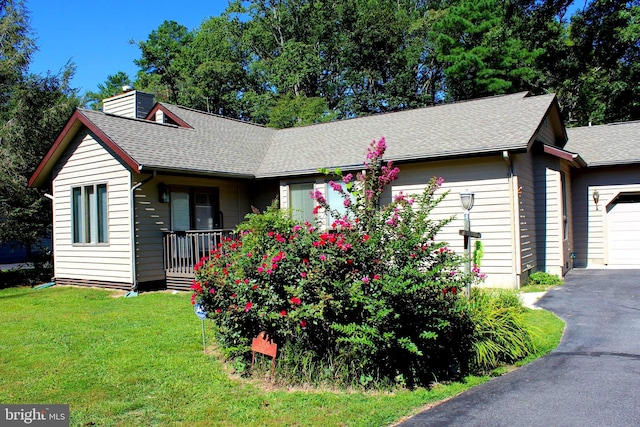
x,y
375,294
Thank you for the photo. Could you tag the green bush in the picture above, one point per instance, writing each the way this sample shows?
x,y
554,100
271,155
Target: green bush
x,y
540,278
374,301
500,332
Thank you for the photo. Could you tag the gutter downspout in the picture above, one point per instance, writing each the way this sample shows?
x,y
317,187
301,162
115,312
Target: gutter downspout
x,y
134,288
515,222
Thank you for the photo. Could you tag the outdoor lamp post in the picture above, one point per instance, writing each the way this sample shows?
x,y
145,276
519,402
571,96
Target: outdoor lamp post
x,y
466,200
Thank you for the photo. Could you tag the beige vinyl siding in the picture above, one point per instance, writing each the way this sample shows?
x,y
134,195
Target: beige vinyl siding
x,y
130,104
87,162
491,214
589,224
567,243
525,189
545,134
552,131
153,217
553,248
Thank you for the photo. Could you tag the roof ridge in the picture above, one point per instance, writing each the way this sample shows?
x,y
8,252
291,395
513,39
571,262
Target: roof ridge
x,y
523,94
220,116
137,119
606,124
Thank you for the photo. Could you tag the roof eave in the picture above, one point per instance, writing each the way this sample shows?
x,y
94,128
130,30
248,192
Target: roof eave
x,y
194,172
73,125
573,158
399,160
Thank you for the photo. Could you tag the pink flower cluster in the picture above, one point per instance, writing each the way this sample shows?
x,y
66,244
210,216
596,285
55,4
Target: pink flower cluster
x,y
389,174
376,149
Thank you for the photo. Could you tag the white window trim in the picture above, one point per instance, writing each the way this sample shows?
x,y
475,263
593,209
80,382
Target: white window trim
x,y
93,205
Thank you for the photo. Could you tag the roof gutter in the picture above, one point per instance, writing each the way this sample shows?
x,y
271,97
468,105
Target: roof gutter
x,y
195,173
397,160
574,159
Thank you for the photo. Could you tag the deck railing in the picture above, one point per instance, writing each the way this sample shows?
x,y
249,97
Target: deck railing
x,y
183,249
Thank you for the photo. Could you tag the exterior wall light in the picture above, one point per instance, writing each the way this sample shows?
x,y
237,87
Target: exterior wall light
x,y
596,198
467,199
163,193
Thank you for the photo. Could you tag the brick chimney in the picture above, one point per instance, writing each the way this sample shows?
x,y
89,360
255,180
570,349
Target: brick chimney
x,y
131,103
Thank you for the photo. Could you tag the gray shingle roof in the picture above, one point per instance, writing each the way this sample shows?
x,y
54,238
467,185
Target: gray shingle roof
x,y
606,145
486,125
218,145
214,145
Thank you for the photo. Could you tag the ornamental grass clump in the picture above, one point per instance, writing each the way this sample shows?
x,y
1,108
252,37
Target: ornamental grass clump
x,y
372,300
501,334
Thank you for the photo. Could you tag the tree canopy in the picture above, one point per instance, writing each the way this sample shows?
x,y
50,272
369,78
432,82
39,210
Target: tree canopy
x,y
33,109
293,62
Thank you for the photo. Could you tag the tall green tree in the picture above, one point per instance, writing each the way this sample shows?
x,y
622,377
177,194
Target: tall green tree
x,y
215,69
16,47
112,86
482,53
360,56
294,62
602,80
162,60
32,112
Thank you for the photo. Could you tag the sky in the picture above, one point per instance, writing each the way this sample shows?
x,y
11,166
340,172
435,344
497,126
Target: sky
x,y
95,34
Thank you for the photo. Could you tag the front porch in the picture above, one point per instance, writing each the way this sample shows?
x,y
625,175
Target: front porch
x,y
183,249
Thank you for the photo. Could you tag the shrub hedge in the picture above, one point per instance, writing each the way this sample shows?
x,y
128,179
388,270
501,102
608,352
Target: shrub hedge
x,y
374,300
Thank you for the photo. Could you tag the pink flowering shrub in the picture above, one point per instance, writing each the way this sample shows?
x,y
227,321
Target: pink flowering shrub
x,y
375,294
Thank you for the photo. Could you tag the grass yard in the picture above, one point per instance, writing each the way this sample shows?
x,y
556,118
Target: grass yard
x,y
139,362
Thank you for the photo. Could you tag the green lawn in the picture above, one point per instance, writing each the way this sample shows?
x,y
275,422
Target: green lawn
x,y
139,362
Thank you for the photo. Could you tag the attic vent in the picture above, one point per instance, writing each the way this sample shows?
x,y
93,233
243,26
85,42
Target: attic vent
x,y
129,104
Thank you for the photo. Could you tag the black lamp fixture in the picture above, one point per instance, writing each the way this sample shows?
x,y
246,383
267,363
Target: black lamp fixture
x,y
596,198
163,193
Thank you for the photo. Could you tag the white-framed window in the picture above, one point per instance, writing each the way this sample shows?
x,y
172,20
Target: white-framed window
x,y
89,214
300,202
336,201
195,208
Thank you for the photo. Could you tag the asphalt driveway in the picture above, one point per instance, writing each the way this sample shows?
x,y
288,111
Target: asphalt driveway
x,y
591,379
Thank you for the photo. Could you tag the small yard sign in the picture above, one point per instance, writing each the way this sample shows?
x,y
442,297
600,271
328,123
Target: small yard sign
x,y
200,311
263,344
202,314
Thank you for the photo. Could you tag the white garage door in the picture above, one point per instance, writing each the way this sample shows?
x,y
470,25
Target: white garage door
x,y
624,234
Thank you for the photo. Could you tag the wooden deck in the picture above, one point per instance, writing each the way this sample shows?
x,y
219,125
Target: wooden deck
x,y
183,249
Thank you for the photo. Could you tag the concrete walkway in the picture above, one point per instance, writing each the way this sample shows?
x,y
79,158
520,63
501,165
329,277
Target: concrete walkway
x,y
591,379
